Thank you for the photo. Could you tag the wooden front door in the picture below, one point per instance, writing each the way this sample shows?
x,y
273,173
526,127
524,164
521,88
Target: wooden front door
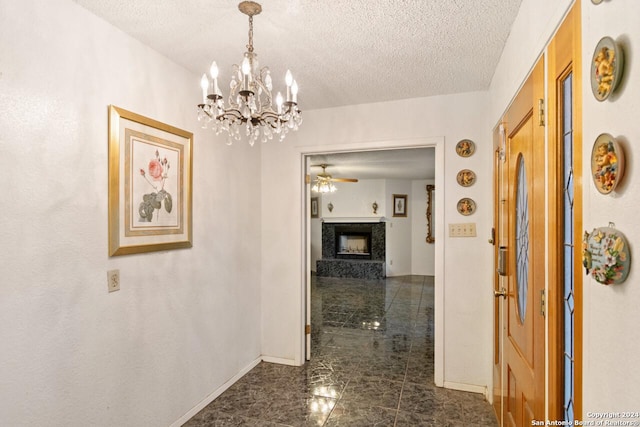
x,y
521,231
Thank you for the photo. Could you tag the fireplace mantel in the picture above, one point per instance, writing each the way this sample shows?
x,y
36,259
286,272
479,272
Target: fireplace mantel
x,y
353,219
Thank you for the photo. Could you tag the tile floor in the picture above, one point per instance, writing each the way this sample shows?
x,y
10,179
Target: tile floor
x,y
371,365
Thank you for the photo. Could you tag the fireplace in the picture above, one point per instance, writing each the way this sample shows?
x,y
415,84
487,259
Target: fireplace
x,y
352,249
352,244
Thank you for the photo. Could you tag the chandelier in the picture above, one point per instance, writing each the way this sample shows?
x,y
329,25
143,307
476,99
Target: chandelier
x,y
324,182
323,185
249,110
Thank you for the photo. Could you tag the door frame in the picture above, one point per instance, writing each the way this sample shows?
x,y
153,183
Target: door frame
x,y
438,143
564,54
568,34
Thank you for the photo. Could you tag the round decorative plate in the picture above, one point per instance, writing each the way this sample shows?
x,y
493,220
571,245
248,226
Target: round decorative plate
x,y
465,148
596,1
466,206
607,163
466,178
606,256
606,68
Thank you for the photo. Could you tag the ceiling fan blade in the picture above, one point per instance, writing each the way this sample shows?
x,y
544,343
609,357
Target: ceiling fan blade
x,y
344,180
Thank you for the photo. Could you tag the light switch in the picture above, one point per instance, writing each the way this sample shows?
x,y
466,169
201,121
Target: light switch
x,y
462,230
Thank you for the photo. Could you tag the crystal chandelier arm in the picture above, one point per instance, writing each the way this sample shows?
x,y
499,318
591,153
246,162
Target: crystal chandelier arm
x,y
266,100
234,87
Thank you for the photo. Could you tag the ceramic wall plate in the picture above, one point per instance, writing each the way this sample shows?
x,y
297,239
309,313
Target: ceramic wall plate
x,y
466,178
466,206
606,256
607,163
465,148
606,68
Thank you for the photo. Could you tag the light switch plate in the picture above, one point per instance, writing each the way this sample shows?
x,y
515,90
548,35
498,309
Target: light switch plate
x,y
467,229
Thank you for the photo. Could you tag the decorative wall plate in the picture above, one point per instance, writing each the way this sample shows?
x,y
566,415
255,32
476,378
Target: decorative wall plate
x,y
596,1
466,178
606,68
466,206
605,254
607,163
465,148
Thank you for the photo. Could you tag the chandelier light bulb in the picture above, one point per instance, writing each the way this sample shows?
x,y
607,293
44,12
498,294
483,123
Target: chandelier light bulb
x,y
246,66
288,78
204,84
214,70
294,91
279,102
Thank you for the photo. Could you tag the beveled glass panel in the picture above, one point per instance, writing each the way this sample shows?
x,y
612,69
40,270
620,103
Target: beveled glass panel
x,y
569,251
522,239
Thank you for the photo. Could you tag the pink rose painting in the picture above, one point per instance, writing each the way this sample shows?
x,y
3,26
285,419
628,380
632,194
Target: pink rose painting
x,y
156,174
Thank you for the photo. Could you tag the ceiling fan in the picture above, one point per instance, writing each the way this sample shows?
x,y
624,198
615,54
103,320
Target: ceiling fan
x,y
324,182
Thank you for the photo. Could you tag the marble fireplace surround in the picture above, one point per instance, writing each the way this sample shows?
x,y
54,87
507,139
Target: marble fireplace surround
x,y
333,264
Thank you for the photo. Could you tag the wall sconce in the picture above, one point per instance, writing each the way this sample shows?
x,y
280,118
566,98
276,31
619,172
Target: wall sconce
x,y
375,207
330,207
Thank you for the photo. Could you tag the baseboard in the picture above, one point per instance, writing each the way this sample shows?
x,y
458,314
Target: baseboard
x,y
467,387
204,402
279,361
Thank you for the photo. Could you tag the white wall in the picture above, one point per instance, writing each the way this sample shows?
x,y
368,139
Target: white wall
x,y
185,321
611,339
355,199
611,315
467,317
398,230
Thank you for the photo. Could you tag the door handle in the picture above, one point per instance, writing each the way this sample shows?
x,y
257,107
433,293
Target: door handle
x,y
501,293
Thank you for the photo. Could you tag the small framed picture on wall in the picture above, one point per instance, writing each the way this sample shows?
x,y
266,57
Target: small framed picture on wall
x,y
399,205
314,208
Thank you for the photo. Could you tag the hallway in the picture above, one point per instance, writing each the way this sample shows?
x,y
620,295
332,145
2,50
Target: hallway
x,y
371,365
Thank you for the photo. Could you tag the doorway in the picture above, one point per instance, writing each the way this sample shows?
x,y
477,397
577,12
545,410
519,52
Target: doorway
x,y
377,150
537,212
521,230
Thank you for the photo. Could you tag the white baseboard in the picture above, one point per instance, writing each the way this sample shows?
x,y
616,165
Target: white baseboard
x,y
204,402
279,360
467,387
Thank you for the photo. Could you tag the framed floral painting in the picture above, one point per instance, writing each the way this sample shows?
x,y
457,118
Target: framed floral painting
x,y
150,177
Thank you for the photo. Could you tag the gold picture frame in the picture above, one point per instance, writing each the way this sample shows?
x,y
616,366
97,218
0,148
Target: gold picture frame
x,y
150,180
430,200
400,205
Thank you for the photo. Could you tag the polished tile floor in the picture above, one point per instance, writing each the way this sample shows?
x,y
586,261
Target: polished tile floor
x,y
371,365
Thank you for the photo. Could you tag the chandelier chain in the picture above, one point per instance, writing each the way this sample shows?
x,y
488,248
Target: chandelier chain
x,y
250,45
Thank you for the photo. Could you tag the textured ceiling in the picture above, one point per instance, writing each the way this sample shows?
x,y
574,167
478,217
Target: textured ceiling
x,y
341,52
411,163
